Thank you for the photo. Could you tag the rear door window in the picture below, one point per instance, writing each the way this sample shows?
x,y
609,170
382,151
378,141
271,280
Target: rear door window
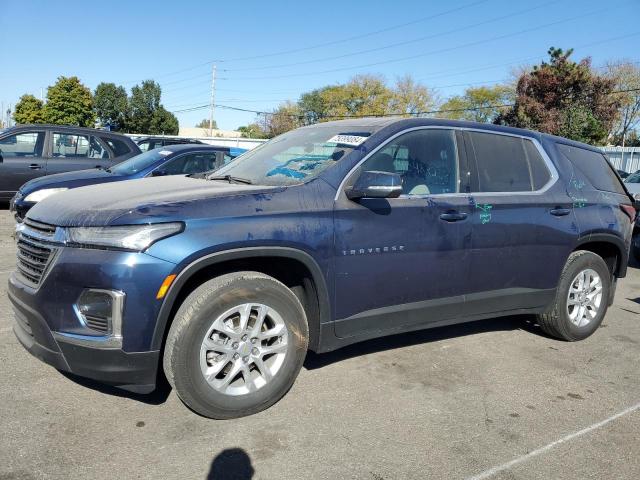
x,y
594,166
507,164
77,146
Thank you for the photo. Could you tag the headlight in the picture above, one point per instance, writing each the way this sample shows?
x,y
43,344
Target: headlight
x,y
128,237
40,195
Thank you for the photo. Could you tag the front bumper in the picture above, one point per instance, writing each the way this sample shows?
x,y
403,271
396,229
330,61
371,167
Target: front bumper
x,y
47,326
135,372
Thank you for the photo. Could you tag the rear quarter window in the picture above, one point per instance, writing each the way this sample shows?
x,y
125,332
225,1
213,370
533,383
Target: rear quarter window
x,y
594,166
118,147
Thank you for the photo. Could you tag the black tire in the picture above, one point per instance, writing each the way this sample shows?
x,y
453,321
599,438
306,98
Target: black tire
x,y
556,322
196,315
635,247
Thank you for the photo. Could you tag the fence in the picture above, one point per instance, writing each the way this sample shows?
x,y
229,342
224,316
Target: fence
x,y
624,158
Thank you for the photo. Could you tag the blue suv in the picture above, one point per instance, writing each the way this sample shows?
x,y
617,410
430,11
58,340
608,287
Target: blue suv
x,y
325,236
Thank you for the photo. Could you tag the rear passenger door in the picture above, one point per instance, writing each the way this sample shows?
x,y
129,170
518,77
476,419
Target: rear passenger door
x,y
523,227
71,151
20,160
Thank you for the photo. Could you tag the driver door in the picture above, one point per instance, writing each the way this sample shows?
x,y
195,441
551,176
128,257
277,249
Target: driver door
x,y
402,262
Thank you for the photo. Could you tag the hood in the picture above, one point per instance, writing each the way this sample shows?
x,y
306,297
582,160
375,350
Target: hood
x,y
74,179
135,201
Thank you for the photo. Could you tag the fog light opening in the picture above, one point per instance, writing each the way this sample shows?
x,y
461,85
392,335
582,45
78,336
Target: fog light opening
x,y
101,311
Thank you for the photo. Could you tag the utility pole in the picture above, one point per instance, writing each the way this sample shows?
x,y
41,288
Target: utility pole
x,y
213,97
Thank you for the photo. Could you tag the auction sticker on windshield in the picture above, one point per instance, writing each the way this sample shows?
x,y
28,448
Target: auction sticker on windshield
x,y
353,140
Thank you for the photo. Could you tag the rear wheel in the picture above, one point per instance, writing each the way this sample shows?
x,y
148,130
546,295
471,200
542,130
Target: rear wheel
x,y
581,299
236,345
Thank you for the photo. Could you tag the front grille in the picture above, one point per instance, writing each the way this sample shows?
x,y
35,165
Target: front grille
x,y
97,323
34,253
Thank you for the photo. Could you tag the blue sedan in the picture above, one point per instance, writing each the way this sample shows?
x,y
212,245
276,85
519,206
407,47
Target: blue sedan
x,y
167,160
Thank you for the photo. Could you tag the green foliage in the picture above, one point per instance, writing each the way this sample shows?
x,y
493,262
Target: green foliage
x,y
204,123
69,102
111,105
478,104
363,95
146,113
28,110
163,123
253,130
564,98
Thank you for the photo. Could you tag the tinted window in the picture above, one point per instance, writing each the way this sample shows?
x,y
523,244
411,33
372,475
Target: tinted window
x,y
144,146
27,144
507,164
118,146
77,146
594,166
426,160
191,163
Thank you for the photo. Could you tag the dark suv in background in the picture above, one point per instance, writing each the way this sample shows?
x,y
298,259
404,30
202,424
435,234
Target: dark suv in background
x,y
30,151
149,143
325,236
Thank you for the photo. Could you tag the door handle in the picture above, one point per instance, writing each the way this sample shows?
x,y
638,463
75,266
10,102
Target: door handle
x,y
35,166
560,212
453,216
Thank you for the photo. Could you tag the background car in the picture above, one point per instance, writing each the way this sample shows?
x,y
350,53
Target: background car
x,y
169,160
622,173
149,143
31,151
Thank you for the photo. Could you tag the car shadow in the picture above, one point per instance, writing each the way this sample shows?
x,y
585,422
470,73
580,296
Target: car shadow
x,y
515,322
157,397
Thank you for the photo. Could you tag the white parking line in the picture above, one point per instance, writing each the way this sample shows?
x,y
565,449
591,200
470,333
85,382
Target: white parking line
x,y
505,466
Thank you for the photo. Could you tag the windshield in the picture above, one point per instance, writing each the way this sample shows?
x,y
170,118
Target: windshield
x,y
296,156
633,178
140,162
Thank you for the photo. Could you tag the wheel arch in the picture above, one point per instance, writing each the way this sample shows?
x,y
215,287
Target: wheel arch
x,y
312,291
611,248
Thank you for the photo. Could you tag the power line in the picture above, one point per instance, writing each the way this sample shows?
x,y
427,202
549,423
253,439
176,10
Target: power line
x,y
424,54
456,30
426,112
325,44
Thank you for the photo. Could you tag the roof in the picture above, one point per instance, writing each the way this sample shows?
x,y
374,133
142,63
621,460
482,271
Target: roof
x,y
88,131
181,147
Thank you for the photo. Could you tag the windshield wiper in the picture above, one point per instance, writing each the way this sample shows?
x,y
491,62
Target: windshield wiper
x,y
231,179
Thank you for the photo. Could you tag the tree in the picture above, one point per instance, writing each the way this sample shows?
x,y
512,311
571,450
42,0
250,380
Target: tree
x,y
163,122
286,117
564,98
365,95
28,110
626,76
146,113
111,104
478,104
205,124
69,102
253,130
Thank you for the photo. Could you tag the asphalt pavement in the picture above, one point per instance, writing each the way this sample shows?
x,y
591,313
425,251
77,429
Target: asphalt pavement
x,y
491,399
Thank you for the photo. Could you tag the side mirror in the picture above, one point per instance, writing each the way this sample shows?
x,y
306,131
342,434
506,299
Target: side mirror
x,y
372,184
158,173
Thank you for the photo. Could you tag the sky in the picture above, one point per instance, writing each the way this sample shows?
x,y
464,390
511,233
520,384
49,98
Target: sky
x,y
269,52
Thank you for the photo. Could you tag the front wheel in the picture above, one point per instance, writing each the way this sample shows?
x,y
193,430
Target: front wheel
x,y
236,345
581,298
